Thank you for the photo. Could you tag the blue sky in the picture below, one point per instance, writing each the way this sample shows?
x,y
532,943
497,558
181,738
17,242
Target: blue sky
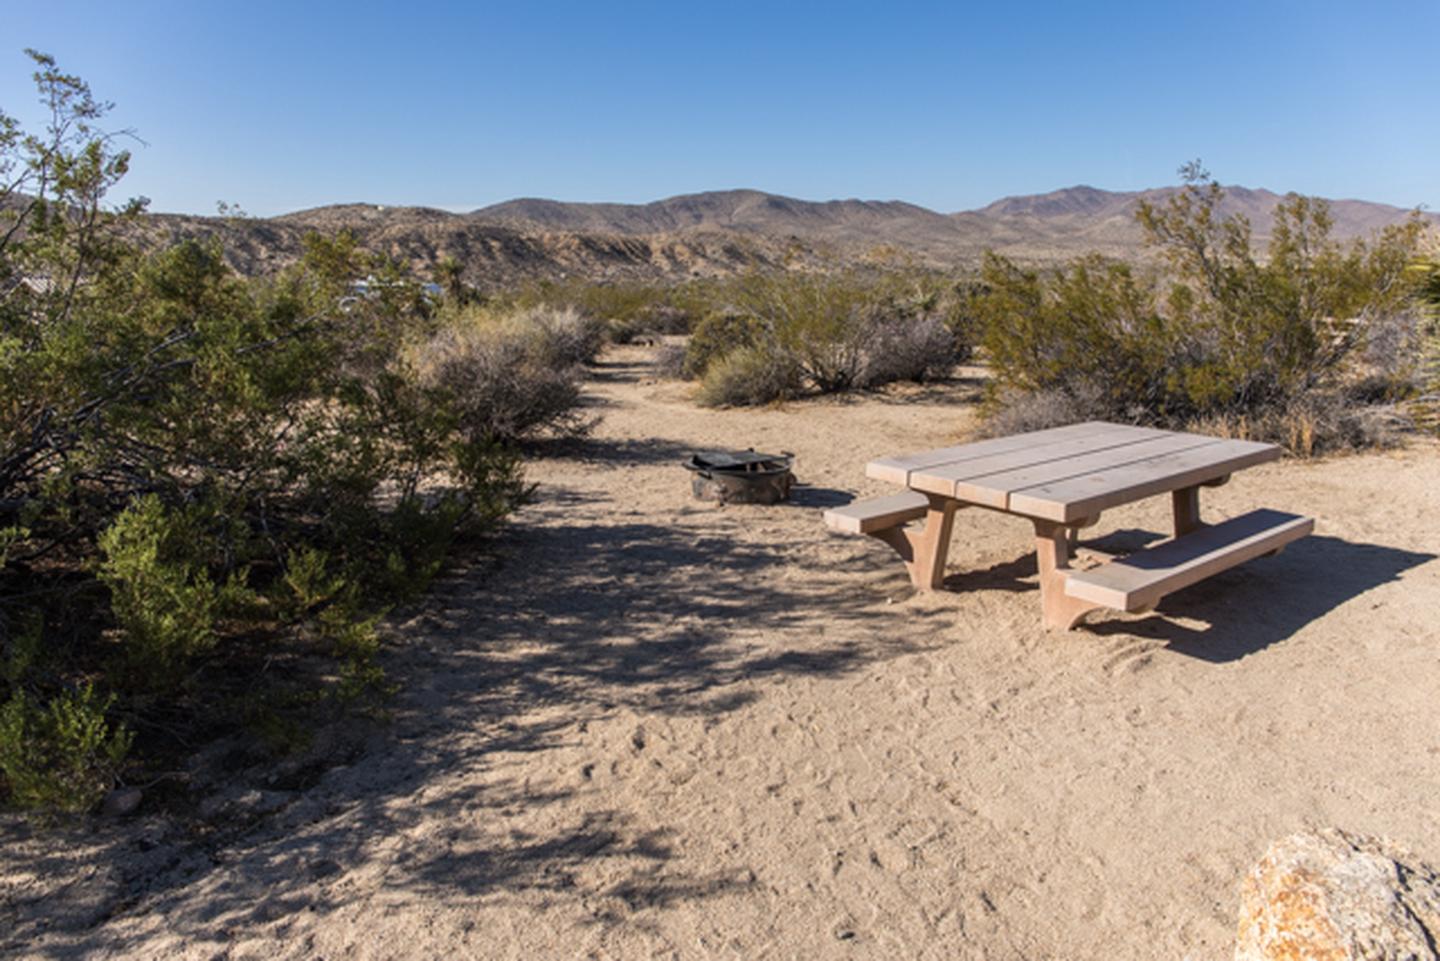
x,y
281,106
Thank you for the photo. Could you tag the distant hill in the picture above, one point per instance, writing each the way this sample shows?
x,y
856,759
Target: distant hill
x,y
725,231
1056,224
750,211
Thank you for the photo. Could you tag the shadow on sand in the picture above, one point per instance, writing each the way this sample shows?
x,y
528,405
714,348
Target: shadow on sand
x,y
1246,609
1267,600
573,622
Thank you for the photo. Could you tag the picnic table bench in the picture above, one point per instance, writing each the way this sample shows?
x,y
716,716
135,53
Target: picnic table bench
x,y
1062,480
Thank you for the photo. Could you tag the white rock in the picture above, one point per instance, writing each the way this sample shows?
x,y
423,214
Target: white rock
x,y
1338,897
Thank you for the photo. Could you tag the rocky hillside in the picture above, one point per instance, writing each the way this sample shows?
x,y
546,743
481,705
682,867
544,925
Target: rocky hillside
x,y
721,232
492,254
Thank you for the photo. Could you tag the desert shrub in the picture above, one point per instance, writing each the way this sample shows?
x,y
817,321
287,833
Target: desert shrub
x,y
835,332
201,475
820,321
63,755
925,297
560,338
1023,411
900,347
621,311
750,376
718,334
157,564
1222,336
1425,405
1318,422
507,380
670,319
670,361
654,320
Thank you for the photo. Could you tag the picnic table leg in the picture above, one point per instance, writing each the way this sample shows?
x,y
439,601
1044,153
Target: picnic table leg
x,y
1187,510
1072,533
1052,555
924,550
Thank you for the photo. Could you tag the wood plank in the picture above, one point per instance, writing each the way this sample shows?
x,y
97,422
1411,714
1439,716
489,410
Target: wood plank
x,y
989,480
897,470
1086,495
863,517
1139,581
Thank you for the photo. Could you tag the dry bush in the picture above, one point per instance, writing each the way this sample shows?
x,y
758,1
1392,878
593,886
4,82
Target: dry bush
x,y
749,377
1018,412
907,348
556,337
1315,424
670,361
514,378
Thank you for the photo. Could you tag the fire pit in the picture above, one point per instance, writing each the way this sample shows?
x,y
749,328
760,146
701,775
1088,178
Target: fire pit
x,y
741,477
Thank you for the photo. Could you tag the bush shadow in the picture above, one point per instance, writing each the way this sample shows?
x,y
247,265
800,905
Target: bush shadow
x,y
630,452
558,627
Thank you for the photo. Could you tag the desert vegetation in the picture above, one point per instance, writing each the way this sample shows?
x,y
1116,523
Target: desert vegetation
x,y
211,488
1306,341
1311,343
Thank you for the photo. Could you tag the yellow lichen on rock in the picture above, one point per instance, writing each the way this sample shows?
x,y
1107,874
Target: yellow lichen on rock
x,y
1332,896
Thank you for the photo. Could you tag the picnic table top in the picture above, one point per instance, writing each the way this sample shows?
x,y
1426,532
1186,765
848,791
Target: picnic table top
x,y
1071,473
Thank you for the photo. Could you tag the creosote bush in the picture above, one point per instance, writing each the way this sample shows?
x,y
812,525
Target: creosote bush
x,y
211,489
62,755
1275,347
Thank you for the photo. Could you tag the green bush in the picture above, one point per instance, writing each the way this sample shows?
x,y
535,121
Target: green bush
x,y
157,563
819,320
201,475
63,755
718,334
1223,336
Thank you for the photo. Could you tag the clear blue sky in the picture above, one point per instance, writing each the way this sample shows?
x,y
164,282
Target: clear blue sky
x,y
280,106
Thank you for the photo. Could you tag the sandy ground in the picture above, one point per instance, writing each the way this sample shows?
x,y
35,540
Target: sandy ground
x,y
660,728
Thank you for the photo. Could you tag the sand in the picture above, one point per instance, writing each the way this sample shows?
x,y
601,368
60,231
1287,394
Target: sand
x,y
651,727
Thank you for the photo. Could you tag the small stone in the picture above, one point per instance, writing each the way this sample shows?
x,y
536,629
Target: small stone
x,y
1342,897
120,802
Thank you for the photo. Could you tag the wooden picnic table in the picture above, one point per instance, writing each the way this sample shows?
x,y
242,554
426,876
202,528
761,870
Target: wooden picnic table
x,y
1062,480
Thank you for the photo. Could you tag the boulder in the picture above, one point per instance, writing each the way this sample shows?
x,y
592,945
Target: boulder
x,y
1332,896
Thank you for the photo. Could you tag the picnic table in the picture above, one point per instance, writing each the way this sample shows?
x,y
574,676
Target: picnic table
x,y
1061,480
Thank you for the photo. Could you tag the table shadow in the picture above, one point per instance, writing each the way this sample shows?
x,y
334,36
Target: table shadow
x,y
1265,601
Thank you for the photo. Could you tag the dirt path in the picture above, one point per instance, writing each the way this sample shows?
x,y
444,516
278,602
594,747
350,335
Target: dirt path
x,y
659,728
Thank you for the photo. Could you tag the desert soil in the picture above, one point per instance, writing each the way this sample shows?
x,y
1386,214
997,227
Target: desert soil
x,y
651,727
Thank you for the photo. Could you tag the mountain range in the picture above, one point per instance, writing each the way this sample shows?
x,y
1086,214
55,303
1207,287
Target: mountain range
x,y
721,232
